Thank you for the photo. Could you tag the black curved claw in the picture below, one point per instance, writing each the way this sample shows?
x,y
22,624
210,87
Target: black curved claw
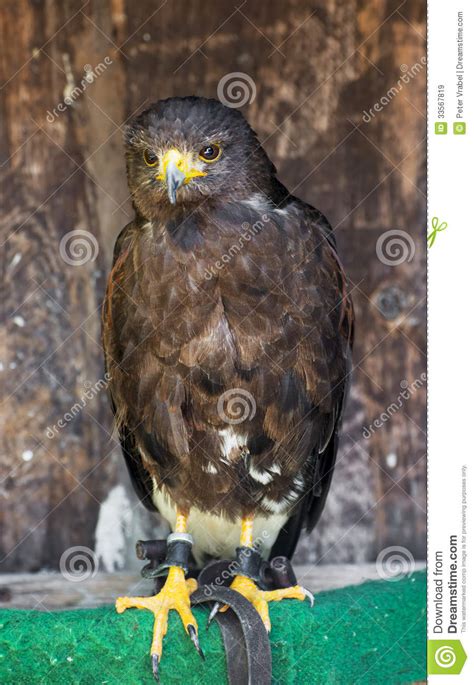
x,y
214,611
155,660
193,635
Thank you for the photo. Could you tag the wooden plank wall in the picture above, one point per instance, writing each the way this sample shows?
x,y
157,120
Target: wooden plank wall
x,y
318,68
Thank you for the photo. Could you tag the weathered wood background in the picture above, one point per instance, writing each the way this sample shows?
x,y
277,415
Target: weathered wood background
x,y
317,67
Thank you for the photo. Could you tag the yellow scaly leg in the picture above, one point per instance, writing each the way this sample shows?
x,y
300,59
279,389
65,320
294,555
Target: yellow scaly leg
x,y
174,595
249,589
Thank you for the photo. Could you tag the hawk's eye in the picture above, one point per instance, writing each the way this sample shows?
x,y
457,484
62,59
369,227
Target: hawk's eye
x,y
150,158
210,153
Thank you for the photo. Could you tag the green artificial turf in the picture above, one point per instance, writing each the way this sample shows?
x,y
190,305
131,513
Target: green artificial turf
x,y
371,633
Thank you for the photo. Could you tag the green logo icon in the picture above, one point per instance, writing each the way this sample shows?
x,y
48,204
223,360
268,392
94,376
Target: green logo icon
x,y
437,227
441,127
459,128
445,657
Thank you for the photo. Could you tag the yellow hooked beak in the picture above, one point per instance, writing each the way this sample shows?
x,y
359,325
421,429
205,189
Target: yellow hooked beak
x,y
175,170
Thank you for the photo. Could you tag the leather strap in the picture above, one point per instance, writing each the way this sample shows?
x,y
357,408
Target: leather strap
x,y
246,643
277,573
175,552
249,560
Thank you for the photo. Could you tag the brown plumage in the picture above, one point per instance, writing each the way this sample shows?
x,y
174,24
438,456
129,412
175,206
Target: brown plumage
x,y
226,328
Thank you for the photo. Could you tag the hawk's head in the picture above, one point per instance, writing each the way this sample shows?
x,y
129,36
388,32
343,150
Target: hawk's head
x,y
181,150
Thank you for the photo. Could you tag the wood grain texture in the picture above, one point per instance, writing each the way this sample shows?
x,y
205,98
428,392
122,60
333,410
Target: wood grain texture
x,y
52,592
317,69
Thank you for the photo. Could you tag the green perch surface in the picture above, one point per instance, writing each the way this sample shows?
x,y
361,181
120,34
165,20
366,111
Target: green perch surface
x,y
371,633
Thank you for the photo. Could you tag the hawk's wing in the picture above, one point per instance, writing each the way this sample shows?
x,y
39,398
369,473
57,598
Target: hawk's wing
x,y
141,479
323,457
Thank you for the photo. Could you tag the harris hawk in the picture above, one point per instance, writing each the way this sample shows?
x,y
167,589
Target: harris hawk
x,y
227,331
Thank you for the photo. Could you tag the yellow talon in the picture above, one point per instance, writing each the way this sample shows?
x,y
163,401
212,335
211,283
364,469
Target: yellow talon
x,y
249,589
260,598
173,595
